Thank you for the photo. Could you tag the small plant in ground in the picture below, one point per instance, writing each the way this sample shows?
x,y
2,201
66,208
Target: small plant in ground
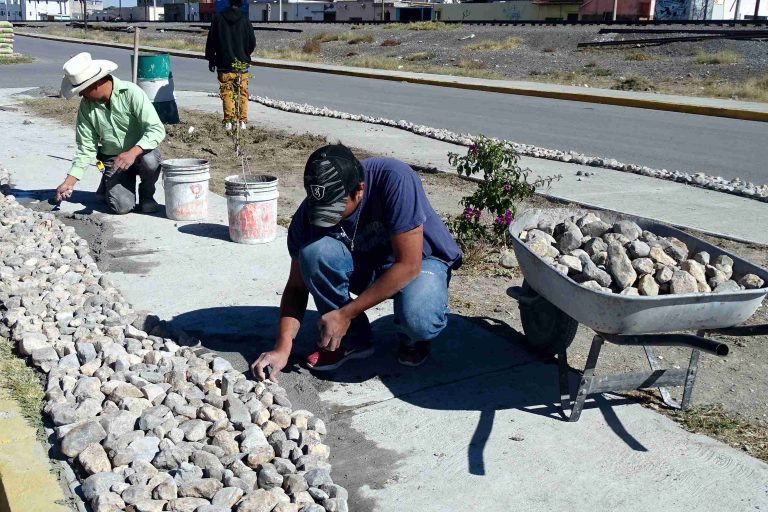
x,y
726,57
422,25
415,57
471,64
639,56
509,43
311,46
504,184
15,59
390,42
633,83
549,50
591,64
22,384
367,38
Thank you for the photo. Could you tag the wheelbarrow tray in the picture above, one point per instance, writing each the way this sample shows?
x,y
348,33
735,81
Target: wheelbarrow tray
x,y
611,313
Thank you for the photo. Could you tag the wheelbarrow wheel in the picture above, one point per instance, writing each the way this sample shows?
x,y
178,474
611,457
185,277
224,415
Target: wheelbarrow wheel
x,y
547,328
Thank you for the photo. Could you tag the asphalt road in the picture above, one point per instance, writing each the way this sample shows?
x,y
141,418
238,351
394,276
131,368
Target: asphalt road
x,y
719,146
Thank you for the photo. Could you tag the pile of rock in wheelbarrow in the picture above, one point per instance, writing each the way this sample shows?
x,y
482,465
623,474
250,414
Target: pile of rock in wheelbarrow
x,y
624,258
147,424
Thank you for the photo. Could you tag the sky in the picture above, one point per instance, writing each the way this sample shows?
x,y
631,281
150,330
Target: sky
x,y
125,3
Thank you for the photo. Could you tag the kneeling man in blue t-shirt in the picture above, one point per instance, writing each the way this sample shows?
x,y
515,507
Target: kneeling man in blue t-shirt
x,y
366,227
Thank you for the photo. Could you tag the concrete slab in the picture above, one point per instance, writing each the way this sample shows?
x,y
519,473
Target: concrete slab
x,y
474,428
670,202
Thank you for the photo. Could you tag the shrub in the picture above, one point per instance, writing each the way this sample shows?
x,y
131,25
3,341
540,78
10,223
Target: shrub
x,y
718,58
390,42
311,46
504,184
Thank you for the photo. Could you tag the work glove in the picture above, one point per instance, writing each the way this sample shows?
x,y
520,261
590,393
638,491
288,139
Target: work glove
x,y
212,68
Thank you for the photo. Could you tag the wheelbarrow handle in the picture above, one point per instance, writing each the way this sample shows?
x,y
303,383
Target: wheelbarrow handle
x,y
742,330
671,340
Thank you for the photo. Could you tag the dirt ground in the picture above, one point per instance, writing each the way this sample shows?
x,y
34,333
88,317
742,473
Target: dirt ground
x,y
719,68
731,389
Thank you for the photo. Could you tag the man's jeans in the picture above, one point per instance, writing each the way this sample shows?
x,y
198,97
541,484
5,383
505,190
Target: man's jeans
x,y
421,308
119,188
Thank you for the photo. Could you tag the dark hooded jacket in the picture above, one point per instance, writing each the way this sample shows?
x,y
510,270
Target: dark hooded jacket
x,y
230,39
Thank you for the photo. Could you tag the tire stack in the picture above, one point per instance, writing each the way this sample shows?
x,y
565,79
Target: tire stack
x,y
6,38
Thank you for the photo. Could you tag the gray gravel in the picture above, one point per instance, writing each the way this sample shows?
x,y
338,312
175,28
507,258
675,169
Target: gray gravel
x,y
142,419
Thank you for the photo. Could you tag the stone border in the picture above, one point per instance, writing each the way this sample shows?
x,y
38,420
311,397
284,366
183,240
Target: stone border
x,y
142,421
716,183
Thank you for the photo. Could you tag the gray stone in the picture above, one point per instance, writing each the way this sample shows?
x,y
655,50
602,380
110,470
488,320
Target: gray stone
x,y
507,259
631,291
226,441
154,416
677,249
592,285
594,246
31,341
317,494
257,501
600,259
227,497
136,493
237,411
286,507
70,361
658,255
194,430
335,505
572,263
80,436
318,477
647,285
108,502
201,488
727,287
88,387
335,491
617,238
591,273
587,218
164,489
542,248
664,275
142,449
620,266
187,472
148,505
294,483
100,483
211,413
751,282
210,464
120,423
724,260
85,351
537,233
682,282
44,355
643,266
696,269
269,478
628,228
94,459
596,229
639,249
219,364
570,238
187,504
284,466
702,257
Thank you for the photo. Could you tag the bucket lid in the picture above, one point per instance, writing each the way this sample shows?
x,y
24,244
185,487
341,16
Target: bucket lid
x,y
250,179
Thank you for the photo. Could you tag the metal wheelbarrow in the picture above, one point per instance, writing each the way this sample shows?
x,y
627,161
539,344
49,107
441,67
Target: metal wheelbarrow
x,y
552,306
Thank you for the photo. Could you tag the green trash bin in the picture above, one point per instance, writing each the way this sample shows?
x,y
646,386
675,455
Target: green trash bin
x,y
155,78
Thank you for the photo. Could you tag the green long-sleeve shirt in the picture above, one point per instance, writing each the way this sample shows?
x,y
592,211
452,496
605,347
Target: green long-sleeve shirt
x,y
130,120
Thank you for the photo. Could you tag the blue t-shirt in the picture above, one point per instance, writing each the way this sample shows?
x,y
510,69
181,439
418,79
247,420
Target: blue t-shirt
x,y
394,202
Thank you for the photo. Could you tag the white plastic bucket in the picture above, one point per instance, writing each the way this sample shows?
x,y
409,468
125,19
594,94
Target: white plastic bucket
x,y
186,188
252,208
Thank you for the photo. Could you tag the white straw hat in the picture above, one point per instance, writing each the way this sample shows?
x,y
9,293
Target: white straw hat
x,y
81,71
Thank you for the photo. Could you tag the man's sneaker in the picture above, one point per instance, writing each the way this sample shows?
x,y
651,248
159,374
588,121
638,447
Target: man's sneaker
x,y
413,354
243,126
324,360
228,126
149,206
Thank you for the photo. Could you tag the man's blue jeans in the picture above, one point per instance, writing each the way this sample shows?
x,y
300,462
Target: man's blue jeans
x,y
330,274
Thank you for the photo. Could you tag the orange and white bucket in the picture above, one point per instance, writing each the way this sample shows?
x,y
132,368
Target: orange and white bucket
x,y
252,208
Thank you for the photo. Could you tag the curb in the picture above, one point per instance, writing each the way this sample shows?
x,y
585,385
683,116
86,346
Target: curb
x,y
452,82
26,481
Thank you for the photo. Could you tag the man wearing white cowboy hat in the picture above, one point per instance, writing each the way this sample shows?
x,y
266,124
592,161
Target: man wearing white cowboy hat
x,y
118,125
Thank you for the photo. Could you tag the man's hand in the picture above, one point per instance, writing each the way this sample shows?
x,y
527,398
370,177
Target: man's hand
x,y
64,191
333,326
275,359
212,68
124,161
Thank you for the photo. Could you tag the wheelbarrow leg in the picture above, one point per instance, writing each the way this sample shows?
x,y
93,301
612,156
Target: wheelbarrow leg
x,y
690,379
572,407
665,396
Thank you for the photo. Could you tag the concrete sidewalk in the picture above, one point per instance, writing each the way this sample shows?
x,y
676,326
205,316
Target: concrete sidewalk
x,y
473,429
673,203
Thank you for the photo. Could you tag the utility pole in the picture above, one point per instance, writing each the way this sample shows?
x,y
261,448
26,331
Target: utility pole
x,y
736,14
382,10
85,16
615,7
757,9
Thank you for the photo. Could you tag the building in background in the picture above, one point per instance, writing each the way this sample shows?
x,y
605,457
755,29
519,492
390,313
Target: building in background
x,y
10,10
182,11
365,10
91,6
627,10
293,10
514,10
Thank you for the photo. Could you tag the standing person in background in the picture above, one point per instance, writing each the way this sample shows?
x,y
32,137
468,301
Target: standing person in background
x,y
231,40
